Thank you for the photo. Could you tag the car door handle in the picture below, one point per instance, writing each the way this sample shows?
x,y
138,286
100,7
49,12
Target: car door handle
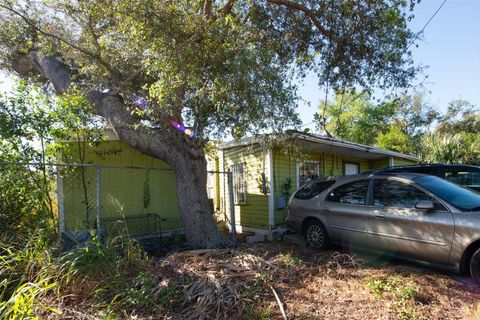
x,y
326,211
380,216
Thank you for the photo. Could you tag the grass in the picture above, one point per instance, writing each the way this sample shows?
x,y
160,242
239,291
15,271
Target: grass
x,y
403,293
255,313
34,277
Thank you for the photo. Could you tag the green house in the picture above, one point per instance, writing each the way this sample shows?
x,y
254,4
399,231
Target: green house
x,y
125,191
118,188
264,177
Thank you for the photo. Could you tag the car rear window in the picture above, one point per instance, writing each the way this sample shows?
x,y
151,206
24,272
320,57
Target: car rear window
x,y
462,198
311,190
464,178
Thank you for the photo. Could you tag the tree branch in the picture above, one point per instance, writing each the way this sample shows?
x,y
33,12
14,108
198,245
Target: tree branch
x,y
207,9
27,20
159,144
310,14
57,72
227,9
155,143
94,37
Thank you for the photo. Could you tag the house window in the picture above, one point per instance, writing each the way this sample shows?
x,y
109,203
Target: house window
x,y
350,168
307,171
239,183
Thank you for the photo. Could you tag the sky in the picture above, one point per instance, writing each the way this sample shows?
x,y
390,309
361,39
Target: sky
x,y
449,49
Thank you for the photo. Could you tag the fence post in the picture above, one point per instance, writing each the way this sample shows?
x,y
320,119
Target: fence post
x,y
232,207
61,207
99,202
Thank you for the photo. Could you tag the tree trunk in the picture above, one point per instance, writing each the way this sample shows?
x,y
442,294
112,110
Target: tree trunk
x,y
187,160
199,224
186,157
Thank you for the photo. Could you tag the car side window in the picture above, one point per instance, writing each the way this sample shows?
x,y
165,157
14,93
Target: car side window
x,y
350,193
311,190
464,178
390,193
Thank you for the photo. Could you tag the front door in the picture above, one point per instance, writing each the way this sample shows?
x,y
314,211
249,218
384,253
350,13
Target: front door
x,y
396,226
347,213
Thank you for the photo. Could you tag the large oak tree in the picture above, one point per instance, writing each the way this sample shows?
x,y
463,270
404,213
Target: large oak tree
x,y
220,67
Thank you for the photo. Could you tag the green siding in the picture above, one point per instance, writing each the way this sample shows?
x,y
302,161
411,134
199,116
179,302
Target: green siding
x,y
284,168
379,163
122,190
403,162
254,213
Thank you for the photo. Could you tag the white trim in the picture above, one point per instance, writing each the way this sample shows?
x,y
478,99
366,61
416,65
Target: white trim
x,y
241,229
271,197
297,172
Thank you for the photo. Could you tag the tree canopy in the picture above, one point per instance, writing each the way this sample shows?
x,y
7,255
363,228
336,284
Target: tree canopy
x,y
214,67
407,124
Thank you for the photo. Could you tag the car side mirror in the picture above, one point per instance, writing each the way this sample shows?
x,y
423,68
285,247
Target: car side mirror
x,y
425,205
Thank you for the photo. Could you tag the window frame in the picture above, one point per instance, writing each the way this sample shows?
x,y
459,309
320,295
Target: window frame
x,y
368,194
357,164
234,168
297,170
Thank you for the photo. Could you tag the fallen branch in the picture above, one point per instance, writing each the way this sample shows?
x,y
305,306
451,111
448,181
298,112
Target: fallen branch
x,y
279,303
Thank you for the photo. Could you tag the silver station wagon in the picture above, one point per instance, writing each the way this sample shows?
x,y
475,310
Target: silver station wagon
x,y
416,217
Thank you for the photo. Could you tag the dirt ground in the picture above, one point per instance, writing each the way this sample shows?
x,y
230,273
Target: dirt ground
x,y
279,280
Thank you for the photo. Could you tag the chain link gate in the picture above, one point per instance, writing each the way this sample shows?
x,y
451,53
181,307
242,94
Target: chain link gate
x,y
122,201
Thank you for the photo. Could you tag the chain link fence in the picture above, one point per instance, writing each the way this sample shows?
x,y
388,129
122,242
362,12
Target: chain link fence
x,y
114,201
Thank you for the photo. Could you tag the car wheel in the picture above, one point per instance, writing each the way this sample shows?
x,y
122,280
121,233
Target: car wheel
x,y
475,266
316,235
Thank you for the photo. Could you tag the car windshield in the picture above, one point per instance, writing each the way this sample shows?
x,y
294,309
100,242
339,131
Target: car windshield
x,y
462,198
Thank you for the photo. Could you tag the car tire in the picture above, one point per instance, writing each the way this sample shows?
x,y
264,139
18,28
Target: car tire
x,y
475,266
316,235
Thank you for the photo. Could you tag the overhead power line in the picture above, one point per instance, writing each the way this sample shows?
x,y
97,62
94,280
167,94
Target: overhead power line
x,y
426,24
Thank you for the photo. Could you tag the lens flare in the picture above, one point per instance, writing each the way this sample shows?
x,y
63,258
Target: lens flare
x,y
140,102
181,128
177,125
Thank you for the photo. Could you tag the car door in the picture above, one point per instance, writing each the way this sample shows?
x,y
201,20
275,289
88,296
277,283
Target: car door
x,y
347,213
396,226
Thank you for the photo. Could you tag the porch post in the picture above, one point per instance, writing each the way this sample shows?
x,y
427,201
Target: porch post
x,y
391,162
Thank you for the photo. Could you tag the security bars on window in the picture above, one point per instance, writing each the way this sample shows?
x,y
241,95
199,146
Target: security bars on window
x,y
239,183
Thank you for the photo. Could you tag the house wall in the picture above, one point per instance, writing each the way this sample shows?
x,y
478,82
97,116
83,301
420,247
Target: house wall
x,y
379,163
122,190
403,162
285,168
254,213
